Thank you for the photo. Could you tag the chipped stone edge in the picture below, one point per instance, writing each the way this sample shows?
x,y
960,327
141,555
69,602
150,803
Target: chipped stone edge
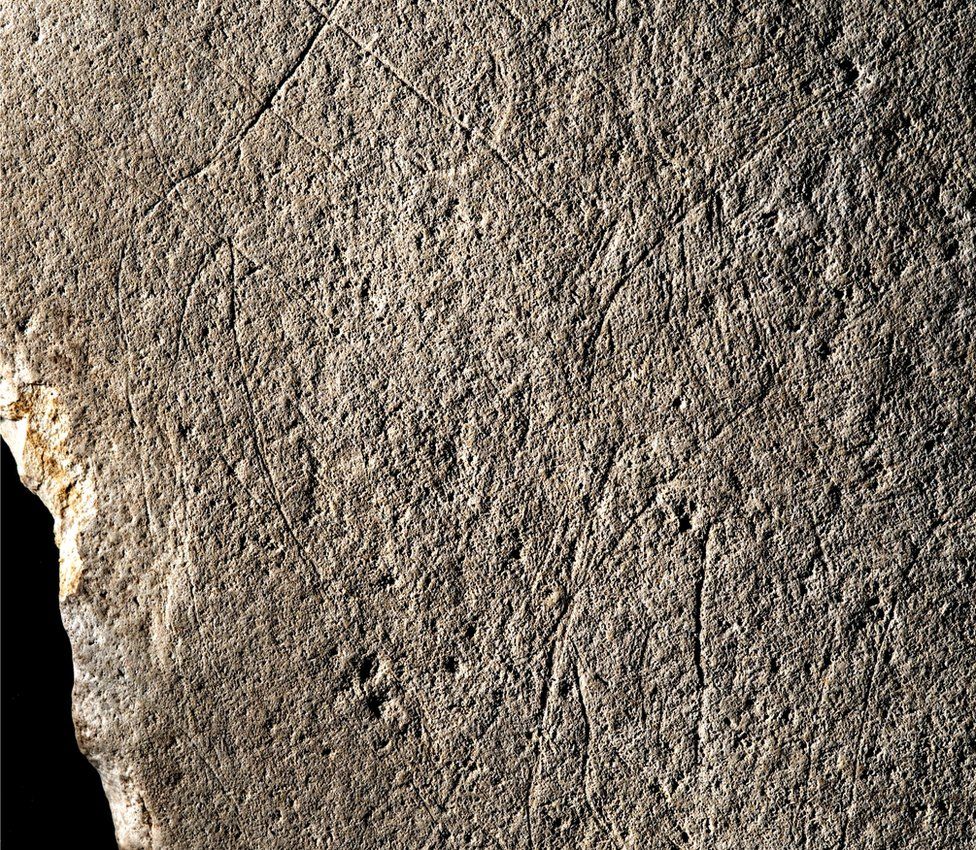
x,y
34,427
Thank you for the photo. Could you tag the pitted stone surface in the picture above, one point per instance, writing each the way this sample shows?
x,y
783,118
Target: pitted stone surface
x,y
506,424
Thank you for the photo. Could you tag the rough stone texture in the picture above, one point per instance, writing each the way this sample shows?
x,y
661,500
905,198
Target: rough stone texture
x,y
506,424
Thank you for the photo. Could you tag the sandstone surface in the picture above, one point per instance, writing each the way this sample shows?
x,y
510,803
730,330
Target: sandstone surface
x,y
505,424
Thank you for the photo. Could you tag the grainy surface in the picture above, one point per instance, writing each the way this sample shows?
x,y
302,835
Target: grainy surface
x,y
504,424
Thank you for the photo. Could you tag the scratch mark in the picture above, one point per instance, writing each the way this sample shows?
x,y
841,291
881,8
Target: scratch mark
x,y
697,651
595,809
568,58
264,108
600,485
604,311
858,749
473,132
260,451
180,328
620,538
290,72
118,296
552,656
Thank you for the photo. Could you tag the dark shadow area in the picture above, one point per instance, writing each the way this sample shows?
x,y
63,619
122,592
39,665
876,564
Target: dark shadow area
x,y
50,796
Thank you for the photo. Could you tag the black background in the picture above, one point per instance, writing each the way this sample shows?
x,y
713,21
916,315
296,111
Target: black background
x,y
50,796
